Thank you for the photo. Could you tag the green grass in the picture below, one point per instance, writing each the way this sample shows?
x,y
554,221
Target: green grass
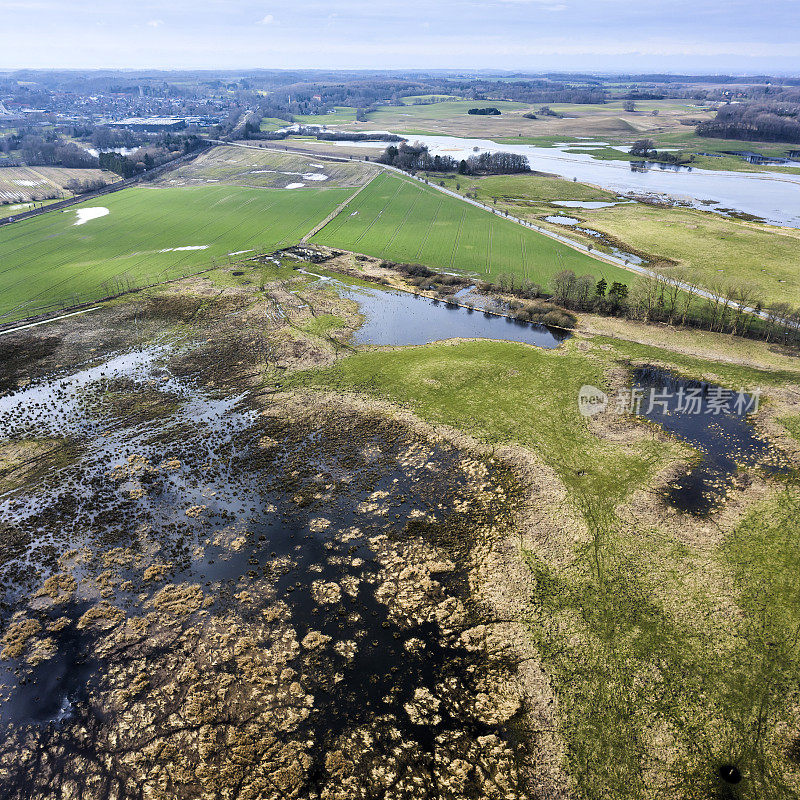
x,y
533,188
12,209
503,392
715,249
341,115
273,124
735,376
406,221
48,261
668,659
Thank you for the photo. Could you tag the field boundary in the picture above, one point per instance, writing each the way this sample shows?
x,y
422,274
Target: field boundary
x,y
336,211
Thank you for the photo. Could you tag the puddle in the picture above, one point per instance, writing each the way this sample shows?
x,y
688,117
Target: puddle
x,y
589,204
87,214
560,219
724,440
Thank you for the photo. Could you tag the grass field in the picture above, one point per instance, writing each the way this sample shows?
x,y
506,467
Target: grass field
x,y
12,209
21,184
246,166
341,115
49,261
404,220
714,249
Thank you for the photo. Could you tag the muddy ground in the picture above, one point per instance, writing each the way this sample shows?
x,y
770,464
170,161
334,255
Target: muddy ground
x,y
213,589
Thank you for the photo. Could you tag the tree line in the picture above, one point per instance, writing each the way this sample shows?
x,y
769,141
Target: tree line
x,y
765,122
678,299
416,157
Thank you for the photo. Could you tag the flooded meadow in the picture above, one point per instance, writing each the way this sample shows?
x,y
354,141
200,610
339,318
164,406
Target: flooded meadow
x,y
224,587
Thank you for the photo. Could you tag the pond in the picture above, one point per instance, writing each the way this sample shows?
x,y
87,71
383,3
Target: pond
x,y
401,318
688,409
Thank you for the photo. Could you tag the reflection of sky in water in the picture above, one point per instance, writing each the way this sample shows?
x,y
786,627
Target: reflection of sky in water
x,y
724,440
398,318
771,195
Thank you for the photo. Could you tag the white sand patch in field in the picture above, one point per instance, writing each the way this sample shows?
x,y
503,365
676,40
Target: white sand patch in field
x,y
295,185
26,183
185,247
239,252
314,176
87,214
317,166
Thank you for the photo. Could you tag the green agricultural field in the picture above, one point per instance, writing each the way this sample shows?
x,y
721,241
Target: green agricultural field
x,y
341,115
525,188
49,261
12,209
404,220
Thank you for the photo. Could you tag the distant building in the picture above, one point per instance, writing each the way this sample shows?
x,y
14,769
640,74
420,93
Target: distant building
x,y
151,123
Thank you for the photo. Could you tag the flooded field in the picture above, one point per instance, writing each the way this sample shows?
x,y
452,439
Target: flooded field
x,y
771,196
217,590
697,413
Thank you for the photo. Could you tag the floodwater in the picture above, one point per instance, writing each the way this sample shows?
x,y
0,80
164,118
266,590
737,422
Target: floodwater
x,y
687,409
560,219
588,204
771,196
198,488
401,318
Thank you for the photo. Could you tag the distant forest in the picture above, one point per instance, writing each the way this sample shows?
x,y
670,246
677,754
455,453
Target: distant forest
x,y
765,122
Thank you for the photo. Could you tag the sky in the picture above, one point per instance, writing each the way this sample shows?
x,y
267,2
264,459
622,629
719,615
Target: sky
x,y
677,36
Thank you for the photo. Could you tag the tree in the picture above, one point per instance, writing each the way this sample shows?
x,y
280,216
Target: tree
x,y
564,286
643,147
629,106
618,294
600,288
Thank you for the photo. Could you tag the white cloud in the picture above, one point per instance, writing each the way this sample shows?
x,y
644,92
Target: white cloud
x,y
268,20
155,23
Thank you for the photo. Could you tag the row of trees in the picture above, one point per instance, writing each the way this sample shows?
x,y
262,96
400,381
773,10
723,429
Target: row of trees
x,y
44,151
677,299
416,157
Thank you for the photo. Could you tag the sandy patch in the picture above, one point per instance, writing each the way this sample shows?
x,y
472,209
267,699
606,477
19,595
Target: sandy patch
x,y
26,183
295,185
239,252
87,214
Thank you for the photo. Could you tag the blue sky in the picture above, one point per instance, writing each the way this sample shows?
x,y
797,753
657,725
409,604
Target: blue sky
x,y
598,35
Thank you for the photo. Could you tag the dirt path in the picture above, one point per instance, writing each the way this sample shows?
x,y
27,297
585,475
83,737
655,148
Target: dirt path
x,y
336,211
